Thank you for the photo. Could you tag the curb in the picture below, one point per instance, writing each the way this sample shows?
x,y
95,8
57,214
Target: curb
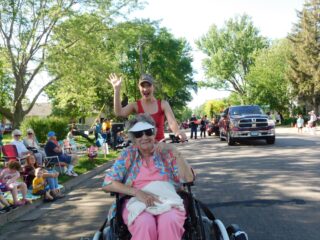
x,y
67,187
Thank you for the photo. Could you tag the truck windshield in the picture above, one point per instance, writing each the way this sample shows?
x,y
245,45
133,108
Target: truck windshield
x,y
242,110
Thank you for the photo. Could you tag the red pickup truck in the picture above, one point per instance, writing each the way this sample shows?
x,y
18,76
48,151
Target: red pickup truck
x,y
246,122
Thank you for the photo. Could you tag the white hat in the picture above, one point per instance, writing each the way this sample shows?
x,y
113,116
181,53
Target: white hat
x,y
30,130
139,126
16,132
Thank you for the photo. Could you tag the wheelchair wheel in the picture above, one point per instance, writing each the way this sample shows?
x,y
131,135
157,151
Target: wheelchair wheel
x,y
97,236
220,231
208,228
235,233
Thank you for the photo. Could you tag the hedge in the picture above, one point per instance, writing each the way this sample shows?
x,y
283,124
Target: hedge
x,y
41,127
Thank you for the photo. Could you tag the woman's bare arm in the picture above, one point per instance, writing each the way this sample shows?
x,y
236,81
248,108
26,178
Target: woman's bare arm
x,y
118,109
173,122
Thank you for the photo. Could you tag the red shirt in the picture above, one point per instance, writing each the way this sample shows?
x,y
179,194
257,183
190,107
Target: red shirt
x,y
158,117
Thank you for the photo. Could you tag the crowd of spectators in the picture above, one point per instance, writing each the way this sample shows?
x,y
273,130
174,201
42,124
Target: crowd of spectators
x,y
30,172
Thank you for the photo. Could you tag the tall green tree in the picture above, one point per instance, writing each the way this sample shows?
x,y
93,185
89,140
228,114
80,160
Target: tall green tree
x,y
147,48
230,54
214,107
82,67
268,81
127,48
304,62
25,32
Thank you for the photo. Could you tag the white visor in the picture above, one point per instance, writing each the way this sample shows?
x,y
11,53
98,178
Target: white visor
x,y
140,126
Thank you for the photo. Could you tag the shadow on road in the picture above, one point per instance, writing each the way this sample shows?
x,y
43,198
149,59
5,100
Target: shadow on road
x,y
257,203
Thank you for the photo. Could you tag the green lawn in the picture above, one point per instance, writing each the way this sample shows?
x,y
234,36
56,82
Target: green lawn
x,y
85,164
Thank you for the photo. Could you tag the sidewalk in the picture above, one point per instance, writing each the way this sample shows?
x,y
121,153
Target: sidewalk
x,y
293,130
67,187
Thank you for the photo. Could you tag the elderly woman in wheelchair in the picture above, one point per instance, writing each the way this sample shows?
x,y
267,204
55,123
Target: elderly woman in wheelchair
x,y
151,173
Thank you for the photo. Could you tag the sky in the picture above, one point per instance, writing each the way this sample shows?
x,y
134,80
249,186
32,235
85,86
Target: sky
x,y
192,19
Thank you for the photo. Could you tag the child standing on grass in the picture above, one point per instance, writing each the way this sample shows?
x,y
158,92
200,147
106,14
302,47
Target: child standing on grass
x,y
9,176
39,186
300,123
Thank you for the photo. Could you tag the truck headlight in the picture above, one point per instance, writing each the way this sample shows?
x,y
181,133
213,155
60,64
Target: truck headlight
x,y
234,123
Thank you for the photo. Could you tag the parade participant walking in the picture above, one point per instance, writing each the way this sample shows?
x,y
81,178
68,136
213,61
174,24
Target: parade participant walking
x,y
158,109
203,126
194,126
300,123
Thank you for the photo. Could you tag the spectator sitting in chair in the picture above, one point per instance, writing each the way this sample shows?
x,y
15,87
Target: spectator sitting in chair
x,y
53,148
21,148
31,142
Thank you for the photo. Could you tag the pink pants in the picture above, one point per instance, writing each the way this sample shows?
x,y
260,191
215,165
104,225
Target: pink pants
x,y
166,226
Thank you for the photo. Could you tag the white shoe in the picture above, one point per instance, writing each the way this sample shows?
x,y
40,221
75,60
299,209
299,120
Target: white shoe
x,y
71,173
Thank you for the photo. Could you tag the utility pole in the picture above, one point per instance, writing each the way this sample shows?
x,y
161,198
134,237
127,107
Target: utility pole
x,y
140,55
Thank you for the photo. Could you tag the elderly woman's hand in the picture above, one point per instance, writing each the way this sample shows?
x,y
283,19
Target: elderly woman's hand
x,y
147,198
164,147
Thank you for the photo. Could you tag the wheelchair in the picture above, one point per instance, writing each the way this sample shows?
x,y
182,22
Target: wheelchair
x,y
200,223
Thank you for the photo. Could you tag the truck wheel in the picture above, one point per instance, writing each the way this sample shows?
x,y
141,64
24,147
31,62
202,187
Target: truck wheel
x,y
271,140
230,139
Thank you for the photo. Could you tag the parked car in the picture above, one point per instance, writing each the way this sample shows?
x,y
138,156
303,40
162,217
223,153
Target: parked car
x,y
246,122
184,125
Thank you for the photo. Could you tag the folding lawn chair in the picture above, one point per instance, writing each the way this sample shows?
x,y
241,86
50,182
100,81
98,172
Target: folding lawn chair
x,y
10,152
53,161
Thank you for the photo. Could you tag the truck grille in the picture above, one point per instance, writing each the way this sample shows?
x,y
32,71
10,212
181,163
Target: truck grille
x,y
253,122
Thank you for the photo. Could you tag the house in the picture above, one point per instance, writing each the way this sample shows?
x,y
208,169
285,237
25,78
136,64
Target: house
x,y
40,110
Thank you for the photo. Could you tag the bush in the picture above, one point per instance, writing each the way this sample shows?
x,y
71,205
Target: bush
x,y
41,127
289,121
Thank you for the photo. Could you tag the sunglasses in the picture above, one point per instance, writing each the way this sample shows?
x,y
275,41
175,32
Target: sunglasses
x,y
17,135
30,133
147,132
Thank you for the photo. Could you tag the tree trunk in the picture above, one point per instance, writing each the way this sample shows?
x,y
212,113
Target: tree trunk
x,y
18,116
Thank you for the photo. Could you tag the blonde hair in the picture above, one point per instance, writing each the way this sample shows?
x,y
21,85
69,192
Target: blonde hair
x,y
39,169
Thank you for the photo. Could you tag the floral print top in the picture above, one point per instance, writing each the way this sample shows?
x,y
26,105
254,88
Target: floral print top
x,y
127,167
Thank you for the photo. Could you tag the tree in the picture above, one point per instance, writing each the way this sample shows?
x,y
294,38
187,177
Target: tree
x,y
83,67
304,62
214,107
154,50
230,52
267,79
116,48
25,29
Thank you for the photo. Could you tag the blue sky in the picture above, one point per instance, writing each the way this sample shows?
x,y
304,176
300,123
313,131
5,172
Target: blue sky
x,y
192,18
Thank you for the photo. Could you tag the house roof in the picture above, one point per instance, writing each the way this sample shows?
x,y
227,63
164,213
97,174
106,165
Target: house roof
x,y
40,110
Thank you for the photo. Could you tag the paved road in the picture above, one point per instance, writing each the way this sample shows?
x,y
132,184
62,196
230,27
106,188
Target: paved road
x,y
272,191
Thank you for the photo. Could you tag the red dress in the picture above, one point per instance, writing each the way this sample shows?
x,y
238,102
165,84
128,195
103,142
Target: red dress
x,y
158,117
